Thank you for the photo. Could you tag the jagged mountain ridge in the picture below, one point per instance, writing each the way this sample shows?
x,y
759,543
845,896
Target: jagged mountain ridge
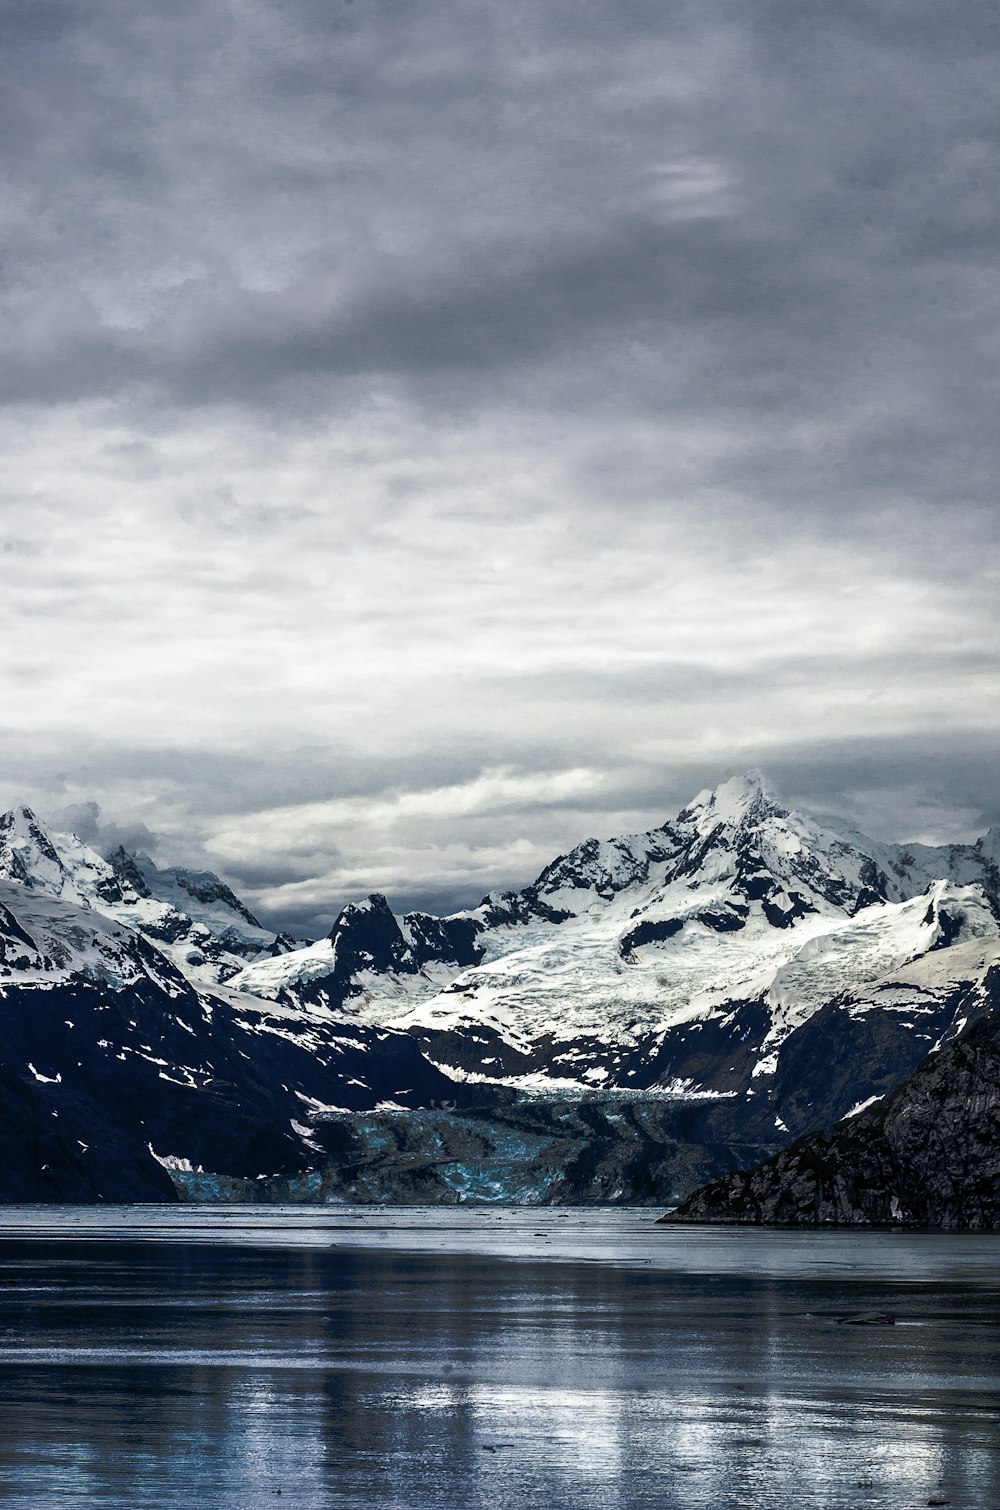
x,y
192,916
729,925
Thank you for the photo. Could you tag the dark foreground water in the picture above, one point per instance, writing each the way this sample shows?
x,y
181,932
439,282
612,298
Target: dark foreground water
x,y
465,1359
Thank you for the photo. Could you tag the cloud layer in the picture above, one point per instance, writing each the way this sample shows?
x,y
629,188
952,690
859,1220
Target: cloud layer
x,y
432,436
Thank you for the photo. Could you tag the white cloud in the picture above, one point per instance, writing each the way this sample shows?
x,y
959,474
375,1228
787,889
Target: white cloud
x,y
309,827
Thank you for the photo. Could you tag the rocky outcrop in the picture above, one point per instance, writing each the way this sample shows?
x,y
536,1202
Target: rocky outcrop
x,y
368,942
927,1156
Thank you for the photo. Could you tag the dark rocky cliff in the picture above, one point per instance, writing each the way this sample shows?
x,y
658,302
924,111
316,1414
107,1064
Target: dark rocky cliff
x,y
928,1156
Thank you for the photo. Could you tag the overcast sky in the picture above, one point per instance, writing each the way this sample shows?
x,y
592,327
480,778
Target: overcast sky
x,y
433,433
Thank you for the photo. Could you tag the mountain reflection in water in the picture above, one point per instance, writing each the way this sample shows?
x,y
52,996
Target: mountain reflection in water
x,y
471,1358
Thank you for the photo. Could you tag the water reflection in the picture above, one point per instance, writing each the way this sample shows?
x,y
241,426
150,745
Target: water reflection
x,y
136,1371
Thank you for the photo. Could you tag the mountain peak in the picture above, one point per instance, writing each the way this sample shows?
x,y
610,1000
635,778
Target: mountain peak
x,y
733,801
23,822
366,936
192,916
28,854
127,869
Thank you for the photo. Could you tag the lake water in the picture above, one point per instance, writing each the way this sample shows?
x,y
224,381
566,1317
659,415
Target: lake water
x,y
519,1359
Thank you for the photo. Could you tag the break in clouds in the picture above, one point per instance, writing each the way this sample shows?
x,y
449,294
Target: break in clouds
x,y
434,434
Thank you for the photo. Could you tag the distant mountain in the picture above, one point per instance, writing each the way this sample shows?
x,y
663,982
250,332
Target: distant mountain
x,y
192,916
686,959
649,1013
928,1155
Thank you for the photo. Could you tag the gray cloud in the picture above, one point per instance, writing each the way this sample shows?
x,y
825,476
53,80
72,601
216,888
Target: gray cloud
x,y
395,397
84,819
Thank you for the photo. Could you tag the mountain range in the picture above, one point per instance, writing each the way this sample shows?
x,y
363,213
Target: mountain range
x,y
652,1011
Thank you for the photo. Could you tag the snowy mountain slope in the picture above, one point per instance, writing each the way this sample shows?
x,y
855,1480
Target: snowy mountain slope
x,y
737,921
29,856
879,943
193,917
203,897
46,941
115,1068
909,868
638,1026
861,1043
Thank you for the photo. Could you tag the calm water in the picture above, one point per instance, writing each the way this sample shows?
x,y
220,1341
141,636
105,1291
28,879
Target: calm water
x,y
465,1359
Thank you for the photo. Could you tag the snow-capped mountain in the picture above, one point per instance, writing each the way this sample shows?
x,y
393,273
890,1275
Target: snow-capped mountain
x,y
191,916
682,958
650,1012
117,1071
46,942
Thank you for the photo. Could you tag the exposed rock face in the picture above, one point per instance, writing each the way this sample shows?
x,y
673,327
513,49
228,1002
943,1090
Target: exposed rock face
x,y
928,1156
367,944
367,937
204,886
128,872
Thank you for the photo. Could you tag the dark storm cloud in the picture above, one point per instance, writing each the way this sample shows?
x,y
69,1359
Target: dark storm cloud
x,y
338,193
